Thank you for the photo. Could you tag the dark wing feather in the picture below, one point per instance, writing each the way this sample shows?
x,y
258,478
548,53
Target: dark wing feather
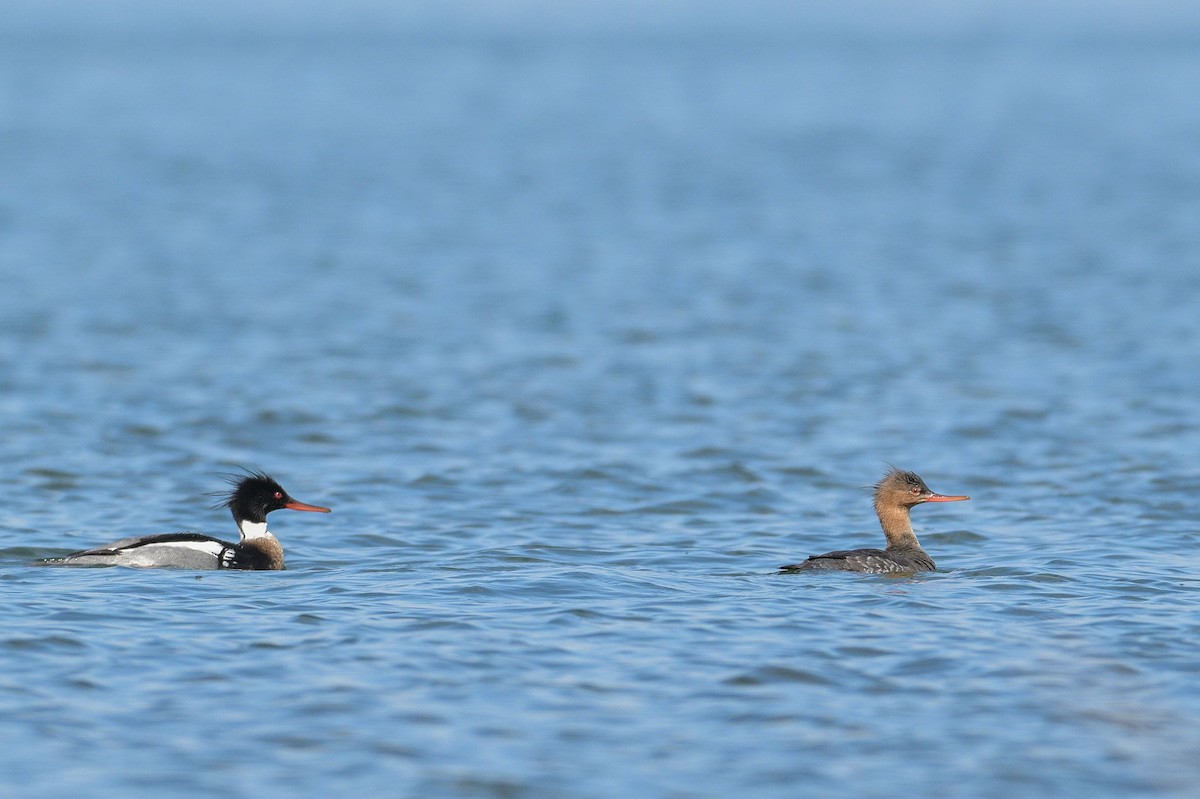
x,y
848,560
141,541
871,561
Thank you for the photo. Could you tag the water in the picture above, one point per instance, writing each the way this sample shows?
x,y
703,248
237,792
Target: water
x,y
581,338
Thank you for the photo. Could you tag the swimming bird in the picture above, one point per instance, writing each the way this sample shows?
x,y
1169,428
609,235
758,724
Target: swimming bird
x,y
895,495
252,498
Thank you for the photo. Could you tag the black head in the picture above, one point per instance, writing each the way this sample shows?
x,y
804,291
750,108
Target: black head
x,y
256,494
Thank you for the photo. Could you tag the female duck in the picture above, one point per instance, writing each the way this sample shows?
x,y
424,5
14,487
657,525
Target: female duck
x,y
895,495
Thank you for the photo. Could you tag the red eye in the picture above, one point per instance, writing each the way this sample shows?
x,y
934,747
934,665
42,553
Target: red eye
x,y
916,491
278,495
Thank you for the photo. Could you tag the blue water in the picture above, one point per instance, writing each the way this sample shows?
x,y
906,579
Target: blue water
x,y
581,337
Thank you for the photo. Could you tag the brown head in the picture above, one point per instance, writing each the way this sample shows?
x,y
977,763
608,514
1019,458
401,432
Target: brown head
x,y
897,493
899,488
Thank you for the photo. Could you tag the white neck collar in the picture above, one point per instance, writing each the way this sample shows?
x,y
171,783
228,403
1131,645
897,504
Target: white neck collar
x,y
253,530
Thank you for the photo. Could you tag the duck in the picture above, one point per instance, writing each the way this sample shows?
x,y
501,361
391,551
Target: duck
x,y
895,496
252,498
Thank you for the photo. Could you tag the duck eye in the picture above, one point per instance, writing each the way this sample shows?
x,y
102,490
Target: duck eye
x,y
914,491
278,495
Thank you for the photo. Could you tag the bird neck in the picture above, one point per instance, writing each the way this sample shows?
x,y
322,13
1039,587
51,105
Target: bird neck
x,y
897,527
252,530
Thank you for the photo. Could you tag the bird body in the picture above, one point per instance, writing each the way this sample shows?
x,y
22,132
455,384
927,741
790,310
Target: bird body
x,y
252,498
895,495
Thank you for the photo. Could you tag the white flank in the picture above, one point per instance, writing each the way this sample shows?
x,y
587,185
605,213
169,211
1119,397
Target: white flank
x,y
183,554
